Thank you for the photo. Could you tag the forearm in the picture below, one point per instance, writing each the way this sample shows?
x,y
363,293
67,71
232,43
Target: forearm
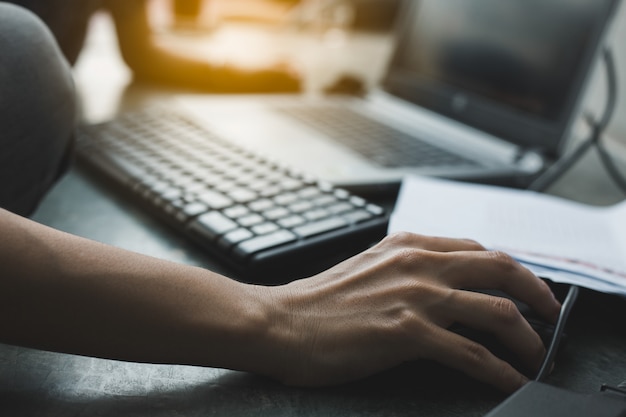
x,y
65,293
390,304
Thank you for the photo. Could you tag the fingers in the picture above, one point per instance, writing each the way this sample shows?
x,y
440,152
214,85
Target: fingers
x,y
466,264
500,317
473,359
422,279
443,244
496,270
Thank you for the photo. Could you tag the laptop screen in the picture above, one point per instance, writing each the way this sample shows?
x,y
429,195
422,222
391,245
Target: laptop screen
x,y
512,68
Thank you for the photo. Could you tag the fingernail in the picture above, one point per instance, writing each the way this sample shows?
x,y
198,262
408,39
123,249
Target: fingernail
x,y
524,380
557,312
517,384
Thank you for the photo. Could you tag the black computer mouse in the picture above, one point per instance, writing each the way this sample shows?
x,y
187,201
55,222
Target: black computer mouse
x,y
544,329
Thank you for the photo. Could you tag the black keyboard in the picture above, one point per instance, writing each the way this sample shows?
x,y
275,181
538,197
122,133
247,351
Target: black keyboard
x,y
268,222
381,144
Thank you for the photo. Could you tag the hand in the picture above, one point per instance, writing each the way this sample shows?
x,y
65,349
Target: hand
x,y
394,303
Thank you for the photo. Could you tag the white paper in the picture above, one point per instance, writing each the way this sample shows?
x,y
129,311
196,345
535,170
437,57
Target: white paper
x,y
558,239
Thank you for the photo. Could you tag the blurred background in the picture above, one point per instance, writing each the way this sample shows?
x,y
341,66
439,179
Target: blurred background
x,y
256,33
363,14
320,38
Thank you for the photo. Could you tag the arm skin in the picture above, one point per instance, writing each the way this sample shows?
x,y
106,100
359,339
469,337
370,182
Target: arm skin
x,y
383,307
154,64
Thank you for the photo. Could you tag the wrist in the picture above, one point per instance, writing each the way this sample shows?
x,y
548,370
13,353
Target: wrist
x,y
272,333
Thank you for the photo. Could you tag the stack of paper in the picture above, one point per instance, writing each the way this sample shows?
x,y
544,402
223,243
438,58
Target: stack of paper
x,y
557,239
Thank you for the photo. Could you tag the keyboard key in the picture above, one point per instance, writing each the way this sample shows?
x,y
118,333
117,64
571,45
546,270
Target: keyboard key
x,y
159,187
341,194
236,236
374,209
357,201
225,186
340,208
285,199
270,191
194,209
237,211
357,216
322,226
290,184
242,195
316,214
171,194
301,206
325,200
251,220
291,221
194,187
309,192
213,225
214,199
259,185
260,243
265,228
261,205
276,213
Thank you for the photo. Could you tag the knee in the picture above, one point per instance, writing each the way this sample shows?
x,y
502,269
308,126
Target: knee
x,y
37,108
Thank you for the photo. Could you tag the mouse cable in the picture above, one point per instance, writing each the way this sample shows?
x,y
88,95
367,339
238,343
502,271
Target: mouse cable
x,y
566,309
562,165
612,85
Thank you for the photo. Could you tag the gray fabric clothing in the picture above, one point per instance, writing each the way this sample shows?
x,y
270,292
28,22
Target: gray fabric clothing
x,y
37,109
67,19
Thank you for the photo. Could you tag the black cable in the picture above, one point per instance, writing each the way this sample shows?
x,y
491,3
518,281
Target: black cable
x,y
566,309
609,164
554,172
610,167
557,169
611,85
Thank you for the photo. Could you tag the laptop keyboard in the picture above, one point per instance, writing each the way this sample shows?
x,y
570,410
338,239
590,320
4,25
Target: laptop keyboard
x,y
270,223
381,144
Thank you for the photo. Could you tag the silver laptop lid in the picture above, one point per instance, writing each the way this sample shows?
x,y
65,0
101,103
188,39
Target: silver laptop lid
x,y
515,69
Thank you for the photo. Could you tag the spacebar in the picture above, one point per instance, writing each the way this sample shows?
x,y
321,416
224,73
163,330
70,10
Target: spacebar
x,y
260,243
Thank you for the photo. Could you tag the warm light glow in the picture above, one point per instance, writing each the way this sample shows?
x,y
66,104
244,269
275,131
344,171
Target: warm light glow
x,y
213,12
246,33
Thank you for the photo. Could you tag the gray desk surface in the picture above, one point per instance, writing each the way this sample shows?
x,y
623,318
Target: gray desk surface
x,y
52,384
35,383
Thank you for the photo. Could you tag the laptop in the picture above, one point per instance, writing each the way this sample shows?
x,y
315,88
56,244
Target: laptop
x,y
480,90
